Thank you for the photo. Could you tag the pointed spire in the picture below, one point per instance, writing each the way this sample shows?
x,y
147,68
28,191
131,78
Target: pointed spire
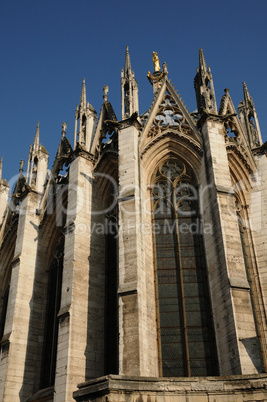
x,y
83,95
202,62
249,119
1,168
246,93
129,89
127,67
36,137
204,87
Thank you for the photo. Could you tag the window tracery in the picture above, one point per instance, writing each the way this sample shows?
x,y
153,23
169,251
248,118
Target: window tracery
x,y
169,115
185,333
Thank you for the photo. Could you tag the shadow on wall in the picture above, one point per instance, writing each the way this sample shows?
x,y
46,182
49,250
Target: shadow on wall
x,y
252,347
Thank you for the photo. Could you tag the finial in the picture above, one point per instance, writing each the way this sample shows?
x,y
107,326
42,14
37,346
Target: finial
x,y
245,88
127,68
164,68
63,129
83,95
36,137
202,62
247,96
21,166
105,93
155,60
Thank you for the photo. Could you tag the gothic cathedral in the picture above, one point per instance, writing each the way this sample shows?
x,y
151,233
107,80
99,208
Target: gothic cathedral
x,y
136,269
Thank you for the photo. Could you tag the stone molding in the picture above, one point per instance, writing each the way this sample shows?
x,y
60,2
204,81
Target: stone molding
x,y
173,135
118,387
131,121
234,148
80,151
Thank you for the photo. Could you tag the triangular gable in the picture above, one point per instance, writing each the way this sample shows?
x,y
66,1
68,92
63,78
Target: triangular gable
x,y
107,117
168,112
236,139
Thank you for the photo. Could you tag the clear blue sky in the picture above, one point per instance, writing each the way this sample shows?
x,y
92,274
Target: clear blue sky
x,y
48,46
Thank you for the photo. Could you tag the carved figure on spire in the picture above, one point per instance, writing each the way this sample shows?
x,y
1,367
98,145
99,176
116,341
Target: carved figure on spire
x,y
21,165
105,93
155,59
63,129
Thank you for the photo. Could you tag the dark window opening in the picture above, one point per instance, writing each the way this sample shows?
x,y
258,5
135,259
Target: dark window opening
x,y
111,301
51,324
185,329
4,311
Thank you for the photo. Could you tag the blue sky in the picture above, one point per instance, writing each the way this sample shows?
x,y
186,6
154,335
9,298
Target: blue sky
x,y
48,46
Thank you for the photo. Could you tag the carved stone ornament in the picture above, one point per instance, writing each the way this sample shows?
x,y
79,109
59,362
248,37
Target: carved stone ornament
x,y
169,115
189,142
80,151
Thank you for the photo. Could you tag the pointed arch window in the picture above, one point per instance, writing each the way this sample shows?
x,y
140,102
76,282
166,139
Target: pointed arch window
x,y
4,312
111,295
51,324
185,331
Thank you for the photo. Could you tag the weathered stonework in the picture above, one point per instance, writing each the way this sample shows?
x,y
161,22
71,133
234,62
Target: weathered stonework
x,y
148,389
97,302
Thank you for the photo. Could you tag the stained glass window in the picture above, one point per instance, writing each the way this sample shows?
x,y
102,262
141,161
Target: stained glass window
x,y
51,325
186,341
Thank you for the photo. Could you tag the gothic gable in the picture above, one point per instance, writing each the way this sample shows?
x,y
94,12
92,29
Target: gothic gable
x,y
168,116
236,142
106,132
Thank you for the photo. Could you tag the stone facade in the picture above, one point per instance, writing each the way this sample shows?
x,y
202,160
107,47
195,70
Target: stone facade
x,y
136,270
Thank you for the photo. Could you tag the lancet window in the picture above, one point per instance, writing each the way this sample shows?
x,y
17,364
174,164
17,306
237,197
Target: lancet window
x,y
4,311
185,331
111,298
51,324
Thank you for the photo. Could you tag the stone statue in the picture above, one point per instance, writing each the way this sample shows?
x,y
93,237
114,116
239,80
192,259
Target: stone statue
x,y
82,136
155,60
63,129
105,93
21,165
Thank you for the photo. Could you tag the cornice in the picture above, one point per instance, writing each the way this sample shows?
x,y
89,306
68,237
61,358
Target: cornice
x,y
207,116
130,121
80,151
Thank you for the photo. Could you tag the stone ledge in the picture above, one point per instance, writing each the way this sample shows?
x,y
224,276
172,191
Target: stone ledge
x,y
116,387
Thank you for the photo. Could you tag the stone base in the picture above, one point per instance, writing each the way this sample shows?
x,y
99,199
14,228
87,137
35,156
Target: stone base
x,y
116,388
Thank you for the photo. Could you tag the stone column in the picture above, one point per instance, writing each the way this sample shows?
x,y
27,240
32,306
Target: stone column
x,y
258,225
81,328
20,345
41,171
134,342
236,336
